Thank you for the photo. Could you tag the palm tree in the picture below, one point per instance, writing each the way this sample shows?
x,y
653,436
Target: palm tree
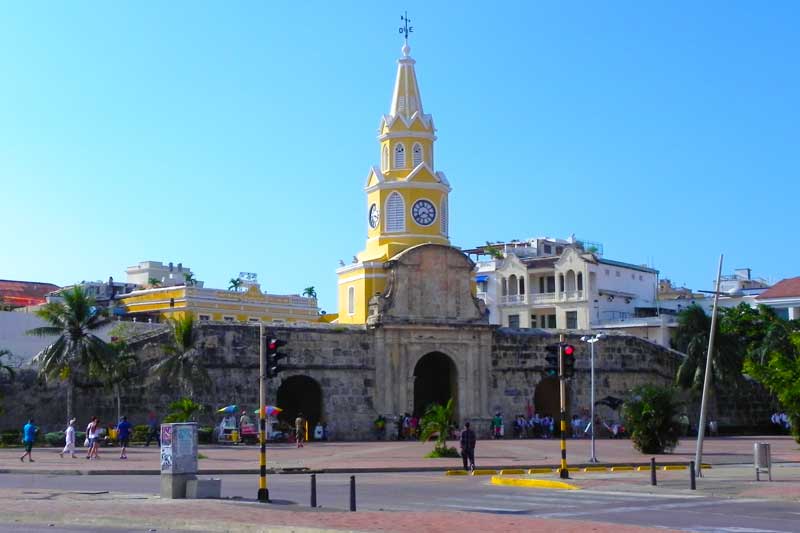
x,y
76,349
182,363
437,421
189,279
310,292
153,282
234,284
120,371
183,410
5,369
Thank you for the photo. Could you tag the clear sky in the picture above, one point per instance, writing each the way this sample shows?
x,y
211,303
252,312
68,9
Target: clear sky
x,y
236,136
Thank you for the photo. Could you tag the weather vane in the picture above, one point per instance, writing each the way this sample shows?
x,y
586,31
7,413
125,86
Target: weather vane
x,y
406,28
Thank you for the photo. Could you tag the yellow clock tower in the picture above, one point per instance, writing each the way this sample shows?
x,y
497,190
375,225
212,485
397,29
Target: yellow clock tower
x,y
406,197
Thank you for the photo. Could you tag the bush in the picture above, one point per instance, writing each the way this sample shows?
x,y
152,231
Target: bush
x,y
651,418
443,452
140,433
55,438
204,434
11,437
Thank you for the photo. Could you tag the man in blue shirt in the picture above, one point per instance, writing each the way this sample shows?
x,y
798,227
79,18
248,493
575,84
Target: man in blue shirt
x,y
28,438
123,435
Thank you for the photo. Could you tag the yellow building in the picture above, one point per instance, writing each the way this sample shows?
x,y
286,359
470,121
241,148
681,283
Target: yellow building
x,y
406,196
249,305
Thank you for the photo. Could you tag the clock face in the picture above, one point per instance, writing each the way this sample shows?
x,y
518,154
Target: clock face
x,y
423,212
374,216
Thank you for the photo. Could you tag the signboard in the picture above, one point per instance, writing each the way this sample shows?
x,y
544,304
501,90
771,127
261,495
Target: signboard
x,y
179,448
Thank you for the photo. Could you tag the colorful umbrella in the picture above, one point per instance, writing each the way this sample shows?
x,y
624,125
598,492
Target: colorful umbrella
x,y
271,410
228,409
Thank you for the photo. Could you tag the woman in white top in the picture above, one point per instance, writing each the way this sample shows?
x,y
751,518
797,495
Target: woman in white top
x,y
92,434
69,435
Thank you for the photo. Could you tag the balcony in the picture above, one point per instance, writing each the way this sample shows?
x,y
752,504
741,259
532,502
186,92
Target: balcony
x,y
543,298
511,299
571,296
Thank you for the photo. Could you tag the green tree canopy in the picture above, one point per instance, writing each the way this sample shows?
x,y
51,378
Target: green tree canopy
x,y
182,363
651,418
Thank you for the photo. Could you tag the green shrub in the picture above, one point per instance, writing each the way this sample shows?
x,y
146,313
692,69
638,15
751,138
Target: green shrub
x,y
80,436
204,434
55,438
651,418
443,452
11,437
140,433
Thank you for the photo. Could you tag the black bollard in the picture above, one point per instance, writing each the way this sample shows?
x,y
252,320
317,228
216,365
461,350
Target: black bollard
x,y
352,493
692,484
313,490
653,481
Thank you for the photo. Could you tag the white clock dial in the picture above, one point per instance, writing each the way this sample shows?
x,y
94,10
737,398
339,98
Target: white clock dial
x,y
374,216
423,212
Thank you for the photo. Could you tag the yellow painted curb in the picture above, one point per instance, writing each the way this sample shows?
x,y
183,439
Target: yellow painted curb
x,y
705,466
675,467
533,483
484,472
456,473
642,468
595,469
509,471
622,469
540,470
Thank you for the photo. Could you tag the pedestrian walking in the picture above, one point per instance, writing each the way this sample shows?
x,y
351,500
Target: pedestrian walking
x,y
69,440
92,434
152,429
28,438
124,436
468,447
299,429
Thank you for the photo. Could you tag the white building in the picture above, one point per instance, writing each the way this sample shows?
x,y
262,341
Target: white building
x,y
784,297
565,284
167,275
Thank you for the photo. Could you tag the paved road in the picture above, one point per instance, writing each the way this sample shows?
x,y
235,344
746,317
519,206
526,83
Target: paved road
x,y
435,492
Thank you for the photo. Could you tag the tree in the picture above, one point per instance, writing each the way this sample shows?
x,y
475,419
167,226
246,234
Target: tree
x,y
235,284
120,370
153,282
183,410
189,279
76,350
182,363
5,370
310,292
650,415
780,373
493,251
437,421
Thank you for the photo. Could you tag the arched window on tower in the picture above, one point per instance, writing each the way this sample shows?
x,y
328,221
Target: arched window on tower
x,y
395,213
399,156
351,300
385,158
416,154
443,217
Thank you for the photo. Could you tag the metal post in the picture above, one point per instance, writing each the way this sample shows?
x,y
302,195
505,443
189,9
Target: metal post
x,y
692,484
352,493
263,491
313,490
653,481
593,458
701,426
563,471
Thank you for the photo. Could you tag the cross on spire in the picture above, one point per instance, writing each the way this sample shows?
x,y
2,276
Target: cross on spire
x,y
406,28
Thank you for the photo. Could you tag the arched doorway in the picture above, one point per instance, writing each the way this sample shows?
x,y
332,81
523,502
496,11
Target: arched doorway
x,y
300,394
547,399
435,381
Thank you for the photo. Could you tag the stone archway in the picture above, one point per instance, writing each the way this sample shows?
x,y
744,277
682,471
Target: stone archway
x,y
300,394
435,381
547,399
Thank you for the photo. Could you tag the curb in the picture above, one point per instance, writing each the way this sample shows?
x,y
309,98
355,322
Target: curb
x,y
533,483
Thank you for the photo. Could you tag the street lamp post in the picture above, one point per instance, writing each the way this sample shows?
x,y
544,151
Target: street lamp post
x,y
591,341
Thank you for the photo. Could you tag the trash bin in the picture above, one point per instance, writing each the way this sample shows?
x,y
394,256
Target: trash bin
x,y
762,459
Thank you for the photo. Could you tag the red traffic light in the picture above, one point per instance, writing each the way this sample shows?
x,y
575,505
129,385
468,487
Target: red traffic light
x,y
569,349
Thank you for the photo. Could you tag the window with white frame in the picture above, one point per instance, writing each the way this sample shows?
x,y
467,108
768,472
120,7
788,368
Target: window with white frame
x,y
204,317
399,156
395,213
253,320
416,154
385,158
351,300
228,318
443,217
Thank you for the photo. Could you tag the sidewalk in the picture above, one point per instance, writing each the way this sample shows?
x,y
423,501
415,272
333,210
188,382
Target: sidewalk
x,y
395,455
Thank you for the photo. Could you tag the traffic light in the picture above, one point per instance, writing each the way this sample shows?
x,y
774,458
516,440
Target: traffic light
x,y
569,360
274,356
551,368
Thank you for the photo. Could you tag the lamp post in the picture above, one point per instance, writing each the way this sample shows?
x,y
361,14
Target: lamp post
x,y
591,341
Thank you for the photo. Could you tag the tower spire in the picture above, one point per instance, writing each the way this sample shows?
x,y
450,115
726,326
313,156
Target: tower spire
x,y
406,99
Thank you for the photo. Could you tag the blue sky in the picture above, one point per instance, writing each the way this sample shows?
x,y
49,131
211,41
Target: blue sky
x,y
236,136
